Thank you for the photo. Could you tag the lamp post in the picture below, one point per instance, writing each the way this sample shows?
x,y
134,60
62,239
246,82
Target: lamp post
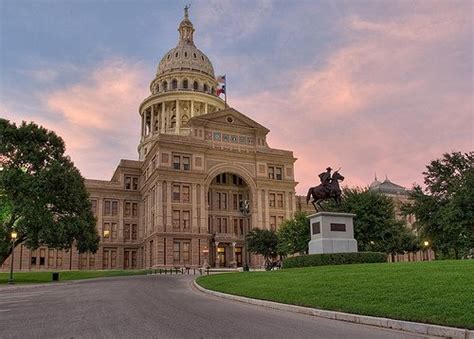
x,y
426,243
13,236
245,210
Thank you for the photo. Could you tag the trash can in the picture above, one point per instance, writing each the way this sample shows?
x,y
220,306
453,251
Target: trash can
x,y
55,276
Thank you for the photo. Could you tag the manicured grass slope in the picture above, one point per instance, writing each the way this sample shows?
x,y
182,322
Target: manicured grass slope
x,y
40,277
440,292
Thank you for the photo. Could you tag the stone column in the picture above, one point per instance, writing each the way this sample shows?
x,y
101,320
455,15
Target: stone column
x,y
152,121
205,108
194,220
178,118
159,207
287,206
143,125
259,209
163,117
168,206
203,210
267,211
192,108
216,244
293,200
233,263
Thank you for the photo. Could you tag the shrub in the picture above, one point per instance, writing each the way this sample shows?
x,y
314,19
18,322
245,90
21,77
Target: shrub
x,y
334,259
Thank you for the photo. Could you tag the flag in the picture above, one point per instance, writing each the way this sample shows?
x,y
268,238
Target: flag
x,y
220,79
221,90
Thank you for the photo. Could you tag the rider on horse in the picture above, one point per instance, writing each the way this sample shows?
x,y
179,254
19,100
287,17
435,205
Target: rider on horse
x,y
325,178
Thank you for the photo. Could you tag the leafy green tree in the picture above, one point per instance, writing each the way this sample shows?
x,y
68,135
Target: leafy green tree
x,y
294,235
375,225
263,242
444,210
42,194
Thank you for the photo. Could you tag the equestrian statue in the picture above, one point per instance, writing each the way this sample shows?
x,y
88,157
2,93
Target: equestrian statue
x,y
328,189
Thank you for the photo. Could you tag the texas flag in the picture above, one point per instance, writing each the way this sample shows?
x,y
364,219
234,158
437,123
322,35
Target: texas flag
x,y
221,90
220,79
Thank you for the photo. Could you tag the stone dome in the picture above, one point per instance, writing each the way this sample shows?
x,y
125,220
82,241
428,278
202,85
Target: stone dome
x,y
185,56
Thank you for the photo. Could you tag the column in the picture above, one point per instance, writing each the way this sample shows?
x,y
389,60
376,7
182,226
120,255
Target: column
x,y
159,206
287,206
203,210
259,209
233,263
163,117
152,122
216,244
178,118
143,125
192,108
168,205
194,219
205,108
267,211
293,200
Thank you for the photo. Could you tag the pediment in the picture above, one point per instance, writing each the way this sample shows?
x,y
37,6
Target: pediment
x,y
230,118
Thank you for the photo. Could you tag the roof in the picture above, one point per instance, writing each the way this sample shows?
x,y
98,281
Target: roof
x,y
387,187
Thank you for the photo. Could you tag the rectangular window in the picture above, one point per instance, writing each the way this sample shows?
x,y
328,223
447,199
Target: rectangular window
x,y
126,259
279,172
224,201
236,226
91,260
127,211
271,200
176,193
186,252
280,221
176,162
218,197
186,190
134,184
134,209
271,172
186,220
105,259
114,208
224,225
273,223
42,256
219,225
241,226
107,207
176,217
126,232
114,230
128,183
83,260
134,231
134,259
186,163
113,258
235,202
131,183
59,258
50,257
176,251
279,200
33,261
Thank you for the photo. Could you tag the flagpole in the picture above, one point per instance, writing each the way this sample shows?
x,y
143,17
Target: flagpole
x,y
225,84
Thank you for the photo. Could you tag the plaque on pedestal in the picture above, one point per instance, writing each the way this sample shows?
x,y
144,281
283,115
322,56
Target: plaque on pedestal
x,y
332,233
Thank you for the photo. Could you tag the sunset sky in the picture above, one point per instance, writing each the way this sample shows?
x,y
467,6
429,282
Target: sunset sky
x,y
370,86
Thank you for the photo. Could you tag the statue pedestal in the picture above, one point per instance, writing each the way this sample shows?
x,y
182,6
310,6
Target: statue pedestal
x,y
332,233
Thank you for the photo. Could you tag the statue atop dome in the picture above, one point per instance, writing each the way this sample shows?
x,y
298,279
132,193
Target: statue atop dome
x,y
186,8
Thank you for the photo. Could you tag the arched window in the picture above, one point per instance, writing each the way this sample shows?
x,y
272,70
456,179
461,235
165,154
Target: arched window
x,y
212,90
185,54
157,88
174,84
173,121
184,120
176,55
195,85
194,54
206,88
165,86
185,83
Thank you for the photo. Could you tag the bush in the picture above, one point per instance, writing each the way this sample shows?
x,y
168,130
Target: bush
x,y
334,259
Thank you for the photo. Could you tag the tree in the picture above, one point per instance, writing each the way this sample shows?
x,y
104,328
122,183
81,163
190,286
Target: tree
x,y
294,235
263,242
42,194
444,210
375,225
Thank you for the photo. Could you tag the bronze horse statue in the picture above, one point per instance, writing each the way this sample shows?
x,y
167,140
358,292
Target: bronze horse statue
x,y
321,193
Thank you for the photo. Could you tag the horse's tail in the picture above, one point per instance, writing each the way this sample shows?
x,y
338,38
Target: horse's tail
x,y
308,196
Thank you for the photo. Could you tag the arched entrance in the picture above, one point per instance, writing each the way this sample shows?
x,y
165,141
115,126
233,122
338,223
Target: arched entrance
x,y
228,193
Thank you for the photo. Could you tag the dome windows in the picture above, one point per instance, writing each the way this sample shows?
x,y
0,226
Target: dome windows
x,y
202,57
165,86
169,56
185,83
176,55
195,86
206,88
174,84
194,54
185,54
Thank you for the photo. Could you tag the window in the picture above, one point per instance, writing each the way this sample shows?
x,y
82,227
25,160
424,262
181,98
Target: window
x,y
206,88
271,199
273,223
91,260
236,226
176,251
241,226
275,172
33,261
59,258
131,183
176,219
174,84
185,84
134,209
50,257
279,200
235,202
186,194
219,225
224,225
94,206
134,231
110,207
173,121
184,160
165,85
42,256
126,232
114,231
280,221
184,120
186,251
127,210
195,85
224,201
176,193
186,220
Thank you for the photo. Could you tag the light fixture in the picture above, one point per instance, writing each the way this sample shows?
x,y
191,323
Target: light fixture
x,y
14,235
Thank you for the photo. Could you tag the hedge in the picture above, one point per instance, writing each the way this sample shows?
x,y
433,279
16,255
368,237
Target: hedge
x,y
334,259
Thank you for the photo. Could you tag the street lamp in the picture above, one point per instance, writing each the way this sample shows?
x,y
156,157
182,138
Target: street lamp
x,y
245,210
426,243
13,236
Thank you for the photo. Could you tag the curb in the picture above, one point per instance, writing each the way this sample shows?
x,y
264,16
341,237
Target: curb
x,y
400,325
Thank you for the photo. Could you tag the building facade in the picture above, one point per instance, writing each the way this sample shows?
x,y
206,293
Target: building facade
x,y
205,176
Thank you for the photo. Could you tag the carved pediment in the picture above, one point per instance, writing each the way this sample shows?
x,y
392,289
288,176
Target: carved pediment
x,y
229,118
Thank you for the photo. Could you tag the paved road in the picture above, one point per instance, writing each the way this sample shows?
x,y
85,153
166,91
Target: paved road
x,y
155,306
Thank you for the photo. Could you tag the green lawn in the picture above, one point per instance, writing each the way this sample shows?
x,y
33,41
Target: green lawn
x,y
41,277
438,292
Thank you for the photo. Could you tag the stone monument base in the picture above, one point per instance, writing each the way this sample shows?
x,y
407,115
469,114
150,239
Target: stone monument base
x,y
332,233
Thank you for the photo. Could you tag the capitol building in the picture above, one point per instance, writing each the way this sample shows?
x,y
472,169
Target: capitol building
x,y
204,177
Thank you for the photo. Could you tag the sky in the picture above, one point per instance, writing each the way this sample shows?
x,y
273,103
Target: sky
x,y
372,87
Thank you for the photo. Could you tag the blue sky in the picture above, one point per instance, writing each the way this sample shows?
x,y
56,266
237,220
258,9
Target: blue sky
x,y
371,86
